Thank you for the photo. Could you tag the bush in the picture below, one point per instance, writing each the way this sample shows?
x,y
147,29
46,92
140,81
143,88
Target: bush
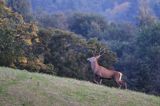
x,y
9,48
68,53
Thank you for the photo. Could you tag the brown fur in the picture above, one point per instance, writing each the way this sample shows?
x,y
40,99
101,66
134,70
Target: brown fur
x,y
102,72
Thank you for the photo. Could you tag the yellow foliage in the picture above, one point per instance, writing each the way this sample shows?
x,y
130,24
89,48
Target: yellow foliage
x,y
7,9
34,27
28,41
22,60
37,61
34,34
37,40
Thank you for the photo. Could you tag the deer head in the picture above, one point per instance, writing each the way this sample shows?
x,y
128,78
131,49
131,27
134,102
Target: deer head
x,y
96,57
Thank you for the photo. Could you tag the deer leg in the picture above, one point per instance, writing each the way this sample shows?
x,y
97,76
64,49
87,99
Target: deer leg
x,y
100,82
97,79
124,84
118,83
119,80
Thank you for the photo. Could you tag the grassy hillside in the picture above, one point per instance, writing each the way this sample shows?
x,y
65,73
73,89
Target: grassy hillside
x,y
21,88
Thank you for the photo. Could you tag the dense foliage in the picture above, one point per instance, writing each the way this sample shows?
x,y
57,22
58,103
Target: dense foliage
x,y
88,25
68,53
18,41
51,51
64,53
9,48
148,55
21,6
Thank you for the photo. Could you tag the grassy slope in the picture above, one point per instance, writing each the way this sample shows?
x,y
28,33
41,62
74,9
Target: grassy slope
x,y
21,88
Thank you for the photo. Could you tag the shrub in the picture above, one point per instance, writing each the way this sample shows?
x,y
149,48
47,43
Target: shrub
x,y
9,48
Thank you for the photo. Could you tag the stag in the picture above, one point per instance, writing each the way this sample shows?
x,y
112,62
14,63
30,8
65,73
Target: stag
x,y
101,72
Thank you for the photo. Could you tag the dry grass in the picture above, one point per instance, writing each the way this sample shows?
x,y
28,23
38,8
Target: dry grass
x,y
21,88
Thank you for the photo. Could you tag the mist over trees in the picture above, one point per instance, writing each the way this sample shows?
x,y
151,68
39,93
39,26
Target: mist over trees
x,y
21,6
58,36
113,10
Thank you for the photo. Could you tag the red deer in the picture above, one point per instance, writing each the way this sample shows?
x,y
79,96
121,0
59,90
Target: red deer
x,y
101,72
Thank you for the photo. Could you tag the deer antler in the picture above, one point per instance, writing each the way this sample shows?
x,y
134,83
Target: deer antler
x,y
102,51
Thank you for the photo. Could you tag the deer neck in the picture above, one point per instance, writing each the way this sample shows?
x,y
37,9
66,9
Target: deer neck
x,y
94,66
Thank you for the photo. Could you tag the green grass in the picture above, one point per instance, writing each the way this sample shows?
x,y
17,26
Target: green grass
x,y
21,88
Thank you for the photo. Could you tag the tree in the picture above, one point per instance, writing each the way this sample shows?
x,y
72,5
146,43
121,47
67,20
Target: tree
x,y
146,16
23,7
148,50
16,34
58,20
9,47
88,25
69,53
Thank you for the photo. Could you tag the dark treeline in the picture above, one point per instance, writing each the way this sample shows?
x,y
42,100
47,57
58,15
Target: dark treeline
x,y
60,43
